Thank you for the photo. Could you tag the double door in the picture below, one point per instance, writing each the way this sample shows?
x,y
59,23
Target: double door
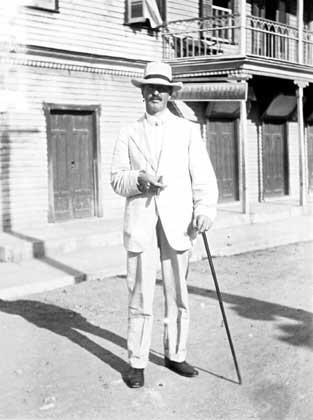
x,y
71,141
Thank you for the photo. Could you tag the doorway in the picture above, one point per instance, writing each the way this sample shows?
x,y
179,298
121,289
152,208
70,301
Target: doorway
x,y
275,159
310,156
222,146
73,156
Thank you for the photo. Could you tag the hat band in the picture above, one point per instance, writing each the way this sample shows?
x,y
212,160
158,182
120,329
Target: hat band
x,y
157,76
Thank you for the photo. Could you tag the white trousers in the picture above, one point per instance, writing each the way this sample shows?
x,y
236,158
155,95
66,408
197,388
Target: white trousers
x,y
141,278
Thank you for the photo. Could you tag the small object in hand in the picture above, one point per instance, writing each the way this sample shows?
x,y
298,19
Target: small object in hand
x,y
149,183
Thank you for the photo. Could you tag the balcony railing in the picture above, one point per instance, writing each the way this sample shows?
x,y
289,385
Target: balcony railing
x,y
220,35
201,37
308,47
266,38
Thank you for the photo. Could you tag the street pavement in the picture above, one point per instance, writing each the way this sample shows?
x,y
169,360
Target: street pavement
x,y
63,352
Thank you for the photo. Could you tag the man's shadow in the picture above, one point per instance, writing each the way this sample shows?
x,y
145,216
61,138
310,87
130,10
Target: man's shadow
x,y
295,326
66,322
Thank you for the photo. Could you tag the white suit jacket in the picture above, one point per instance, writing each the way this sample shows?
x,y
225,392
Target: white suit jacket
x,y
187,171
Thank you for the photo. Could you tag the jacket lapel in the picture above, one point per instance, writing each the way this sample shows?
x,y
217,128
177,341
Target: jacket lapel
x,y
141,143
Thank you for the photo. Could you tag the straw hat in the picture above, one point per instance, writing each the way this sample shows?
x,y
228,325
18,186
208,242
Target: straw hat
x,y
157,73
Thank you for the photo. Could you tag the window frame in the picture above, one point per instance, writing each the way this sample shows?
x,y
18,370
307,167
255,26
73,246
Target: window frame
x,y
142,20
130,20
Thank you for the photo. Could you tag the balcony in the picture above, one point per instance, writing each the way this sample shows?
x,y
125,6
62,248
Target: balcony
x,y
221,35
202,37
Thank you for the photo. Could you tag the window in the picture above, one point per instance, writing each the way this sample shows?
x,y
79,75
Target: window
x,y
52,5
141,11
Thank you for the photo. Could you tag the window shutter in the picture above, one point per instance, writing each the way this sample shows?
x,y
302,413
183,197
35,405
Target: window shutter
x,y
162,9
282,17
258,9
206,8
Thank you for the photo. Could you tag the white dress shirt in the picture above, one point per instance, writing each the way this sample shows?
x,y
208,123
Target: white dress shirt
x,y
154,130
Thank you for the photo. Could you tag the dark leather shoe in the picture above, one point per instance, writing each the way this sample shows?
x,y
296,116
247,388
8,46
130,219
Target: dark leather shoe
x,y
135,378
182,368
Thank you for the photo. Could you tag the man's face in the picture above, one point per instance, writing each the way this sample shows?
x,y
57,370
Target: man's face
x,y
156,97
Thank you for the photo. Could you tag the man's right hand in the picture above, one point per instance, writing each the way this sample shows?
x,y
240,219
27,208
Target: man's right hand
x,y
148,183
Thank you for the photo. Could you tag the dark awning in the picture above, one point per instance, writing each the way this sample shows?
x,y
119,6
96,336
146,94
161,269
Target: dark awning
x,y
222,91
281,107
218,109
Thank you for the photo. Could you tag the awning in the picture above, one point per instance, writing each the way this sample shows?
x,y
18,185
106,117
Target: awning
x,y
281,107
222,91
183,110
218,109
152,13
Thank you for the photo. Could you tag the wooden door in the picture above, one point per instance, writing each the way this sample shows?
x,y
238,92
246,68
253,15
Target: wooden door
x,y
223,150
275,160
72,164
310,155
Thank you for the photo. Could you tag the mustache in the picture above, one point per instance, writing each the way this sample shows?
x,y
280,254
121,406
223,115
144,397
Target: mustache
x,y
155,97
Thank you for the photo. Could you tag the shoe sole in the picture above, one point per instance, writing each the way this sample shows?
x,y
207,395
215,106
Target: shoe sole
x,y
136,385
192,375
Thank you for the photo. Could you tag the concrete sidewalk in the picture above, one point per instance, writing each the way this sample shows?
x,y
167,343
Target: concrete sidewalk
x,y
63,261
64,351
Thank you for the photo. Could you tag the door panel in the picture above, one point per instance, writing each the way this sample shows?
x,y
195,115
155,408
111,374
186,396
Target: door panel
x,y
81,166
61,175
72,155
310,156
275,162
223,150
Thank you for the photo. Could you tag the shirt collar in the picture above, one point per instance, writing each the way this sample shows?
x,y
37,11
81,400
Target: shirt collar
x,y
159,120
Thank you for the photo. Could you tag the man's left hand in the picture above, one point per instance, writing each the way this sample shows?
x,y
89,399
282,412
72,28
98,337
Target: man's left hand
x,y
201,223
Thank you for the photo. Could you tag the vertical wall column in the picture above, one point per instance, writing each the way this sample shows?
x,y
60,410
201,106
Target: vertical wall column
x,y
244,197
302,162
243,24
300,30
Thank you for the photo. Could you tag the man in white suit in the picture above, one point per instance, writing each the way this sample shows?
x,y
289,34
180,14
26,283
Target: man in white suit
x,y
160,164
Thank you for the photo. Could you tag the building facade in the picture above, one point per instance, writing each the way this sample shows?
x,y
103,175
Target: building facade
x,y
247,67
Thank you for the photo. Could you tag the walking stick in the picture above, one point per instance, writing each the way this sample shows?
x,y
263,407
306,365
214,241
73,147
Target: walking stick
x,y
206,244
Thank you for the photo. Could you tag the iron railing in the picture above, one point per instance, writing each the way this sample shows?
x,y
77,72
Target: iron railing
x,y
201,36
267,38
220,35
308,47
